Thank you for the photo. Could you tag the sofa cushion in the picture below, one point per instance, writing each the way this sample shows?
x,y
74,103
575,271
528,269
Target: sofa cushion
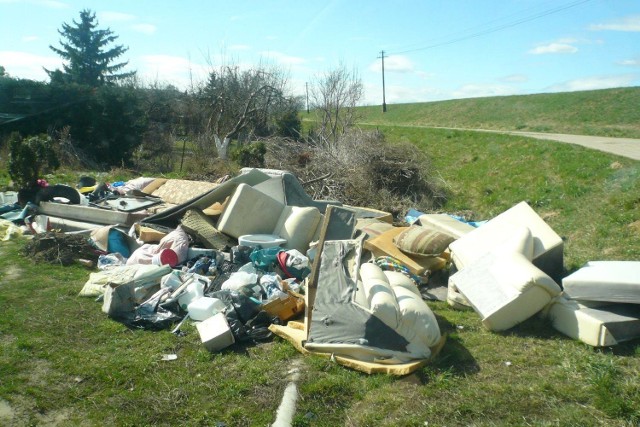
x,y
423,241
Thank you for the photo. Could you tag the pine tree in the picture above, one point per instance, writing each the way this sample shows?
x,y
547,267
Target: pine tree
x,y
84,48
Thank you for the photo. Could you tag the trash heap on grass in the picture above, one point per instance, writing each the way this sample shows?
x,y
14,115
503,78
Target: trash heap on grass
x,y
253,255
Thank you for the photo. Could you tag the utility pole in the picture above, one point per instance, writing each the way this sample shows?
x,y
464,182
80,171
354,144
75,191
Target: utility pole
x,y
306,86
384,103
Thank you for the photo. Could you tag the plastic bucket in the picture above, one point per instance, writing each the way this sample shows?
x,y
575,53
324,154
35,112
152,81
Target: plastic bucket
x,y
164,257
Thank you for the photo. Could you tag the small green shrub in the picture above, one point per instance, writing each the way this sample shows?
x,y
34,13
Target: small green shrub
x,y
251,155
29,158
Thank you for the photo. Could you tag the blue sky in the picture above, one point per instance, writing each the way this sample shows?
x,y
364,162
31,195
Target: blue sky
x,y
435,49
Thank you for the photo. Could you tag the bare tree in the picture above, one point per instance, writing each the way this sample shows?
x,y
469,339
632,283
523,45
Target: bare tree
x,y
334,96
240,102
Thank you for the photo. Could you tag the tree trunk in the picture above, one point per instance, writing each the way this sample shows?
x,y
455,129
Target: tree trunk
x,y
222,146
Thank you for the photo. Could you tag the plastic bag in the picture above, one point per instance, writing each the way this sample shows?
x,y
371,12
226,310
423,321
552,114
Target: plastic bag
x,y
265,259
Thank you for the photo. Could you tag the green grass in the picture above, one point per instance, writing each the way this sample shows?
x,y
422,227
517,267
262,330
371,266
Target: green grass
x,y
608,112
63,362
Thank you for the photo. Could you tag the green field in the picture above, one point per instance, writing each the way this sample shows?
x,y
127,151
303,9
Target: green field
x,y
63,362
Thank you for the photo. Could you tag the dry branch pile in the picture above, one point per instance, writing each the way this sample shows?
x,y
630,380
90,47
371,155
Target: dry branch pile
x,y
361,170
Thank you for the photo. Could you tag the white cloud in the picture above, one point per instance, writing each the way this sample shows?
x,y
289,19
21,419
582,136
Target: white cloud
x,y
478,90
399,64
515,78
175,70
393,63
28,39
284,59
628,23
553,48
144,28
239,47
634,62
596,82
28,66
109,16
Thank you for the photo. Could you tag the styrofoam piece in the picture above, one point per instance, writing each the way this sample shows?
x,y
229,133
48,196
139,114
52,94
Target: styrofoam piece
x,y
263,240
205,307
547,246
600,327
504,289
215,333
611,281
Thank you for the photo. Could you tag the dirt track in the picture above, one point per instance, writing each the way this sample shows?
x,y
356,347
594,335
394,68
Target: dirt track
x,y
625,147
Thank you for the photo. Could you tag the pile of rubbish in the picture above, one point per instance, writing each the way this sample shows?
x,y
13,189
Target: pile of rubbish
x,y
252,256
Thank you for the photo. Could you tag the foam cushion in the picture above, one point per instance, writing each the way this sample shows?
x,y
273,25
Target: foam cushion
x,y
380,297
504,289
612,281
298,225
249,212
507,228
599,327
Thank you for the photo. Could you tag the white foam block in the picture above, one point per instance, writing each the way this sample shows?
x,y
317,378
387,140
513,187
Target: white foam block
x,y
215,333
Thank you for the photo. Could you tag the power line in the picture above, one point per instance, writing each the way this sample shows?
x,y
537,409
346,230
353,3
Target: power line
x,y
533,17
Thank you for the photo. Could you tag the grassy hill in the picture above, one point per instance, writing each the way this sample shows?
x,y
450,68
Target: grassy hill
x,y
609,112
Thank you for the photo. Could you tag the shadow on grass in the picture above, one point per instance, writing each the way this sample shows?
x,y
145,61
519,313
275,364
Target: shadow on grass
x,y
453,360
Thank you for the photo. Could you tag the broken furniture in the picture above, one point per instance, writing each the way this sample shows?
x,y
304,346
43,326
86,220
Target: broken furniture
x,y
600,326
249,212
600,304
506,267
505,288
547,246
609,281
518,228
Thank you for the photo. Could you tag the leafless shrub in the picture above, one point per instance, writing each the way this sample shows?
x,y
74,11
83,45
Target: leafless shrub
x,y
361,170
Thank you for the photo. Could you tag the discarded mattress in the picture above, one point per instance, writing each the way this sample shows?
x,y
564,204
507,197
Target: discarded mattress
x,y
610,281
600,326
546,246
90,214
174,192
372,319
504,289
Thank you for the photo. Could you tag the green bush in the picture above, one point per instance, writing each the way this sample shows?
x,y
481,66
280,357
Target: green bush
x,y
251,155
29,157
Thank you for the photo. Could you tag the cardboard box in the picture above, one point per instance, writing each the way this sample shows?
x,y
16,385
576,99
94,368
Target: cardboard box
x,y
286,308
215,333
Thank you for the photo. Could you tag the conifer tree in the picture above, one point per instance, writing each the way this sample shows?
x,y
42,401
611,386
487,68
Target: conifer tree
x,y
88,58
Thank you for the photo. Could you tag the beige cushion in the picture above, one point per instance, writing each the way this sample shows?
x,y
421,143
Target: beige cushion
x,y
504,289
298,225
383,245
423,241
249,211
